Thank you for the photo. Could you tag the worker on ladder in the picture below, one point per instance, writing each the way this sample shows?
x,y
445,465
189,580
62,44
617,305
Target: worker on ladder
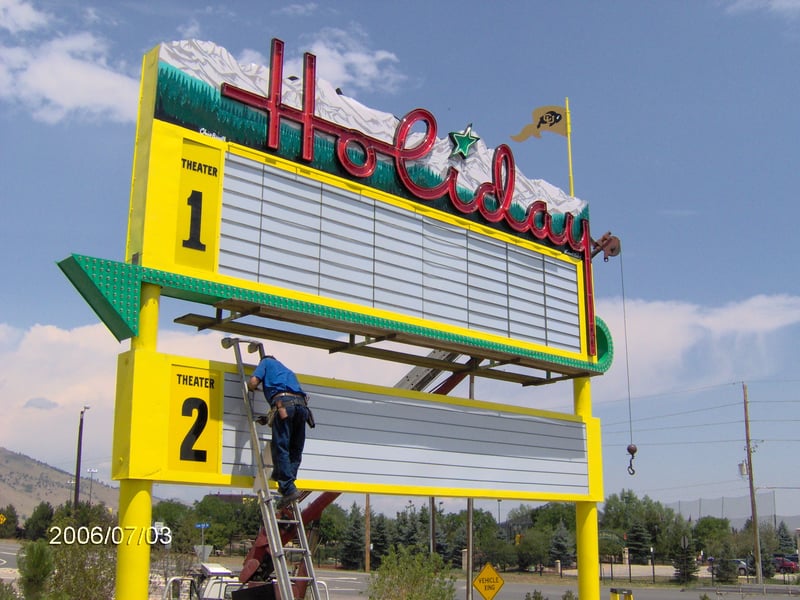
x,y
288,416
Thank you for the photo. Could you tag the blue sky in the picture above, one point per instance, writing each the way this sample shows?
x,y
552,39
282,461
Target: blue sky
x,y
685,128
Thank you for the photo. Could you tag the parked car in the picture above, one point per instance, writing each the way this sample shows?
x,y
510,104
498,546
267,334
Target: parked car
x,y
784,565
741,566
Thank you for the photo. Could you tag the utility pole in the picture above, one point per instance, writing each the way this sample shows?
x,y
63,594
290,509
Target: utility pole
x,y
753,508
78,460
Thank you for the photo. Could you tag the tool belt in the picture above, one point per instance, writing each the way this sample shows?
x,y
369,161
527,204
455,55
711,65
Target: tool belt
x,y
290,399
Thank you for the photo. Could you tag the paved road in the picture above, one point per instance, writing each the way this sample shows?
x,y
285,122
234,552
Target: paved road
x,y
8,560
351,586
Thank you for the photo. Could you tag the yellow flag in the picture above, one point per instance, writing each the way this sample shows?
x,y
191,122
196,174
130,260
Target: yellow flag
x,y
545,118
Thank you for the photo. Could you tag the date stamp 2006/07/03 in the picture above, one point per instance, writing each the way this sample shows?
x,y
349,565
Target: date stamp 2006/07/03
x,y
97,535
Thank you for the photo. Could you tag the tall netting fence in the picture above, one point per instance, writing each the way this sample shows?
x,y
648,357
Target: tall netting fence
x,y
736,509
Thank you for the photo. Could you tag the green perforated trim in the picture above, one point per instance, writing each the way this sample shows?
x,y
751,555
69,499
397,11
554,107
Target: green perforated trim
x,y
113,290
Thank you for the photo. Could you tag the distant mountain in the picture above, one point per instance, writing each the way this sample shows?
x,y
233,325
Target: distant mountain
x,y
26,482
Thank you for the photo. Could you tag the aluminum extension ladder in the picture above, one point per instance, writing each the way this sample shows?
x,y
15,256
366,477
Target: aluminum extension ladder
x,y
267,500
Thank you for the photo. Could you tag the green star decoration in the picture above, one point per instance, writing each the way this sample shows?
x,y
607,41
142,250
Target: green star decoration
x,y
463,141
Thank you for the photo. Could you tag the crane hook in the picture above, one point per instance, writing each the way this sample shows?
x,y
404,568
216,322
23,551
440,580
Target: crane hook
x,y
632,451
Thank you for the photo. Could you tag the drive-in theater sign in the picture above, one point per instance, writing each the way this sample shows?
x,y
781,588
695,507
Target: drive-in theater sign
x,y
278,202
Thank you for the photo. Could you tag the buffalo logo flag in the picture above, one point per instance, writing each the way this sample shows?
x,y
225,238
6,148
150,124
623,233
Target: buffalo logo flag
x,y
545,118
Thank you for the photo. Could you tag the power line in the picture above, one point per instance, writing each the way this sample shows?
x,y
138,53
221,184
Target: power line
x,y
693,426
681,413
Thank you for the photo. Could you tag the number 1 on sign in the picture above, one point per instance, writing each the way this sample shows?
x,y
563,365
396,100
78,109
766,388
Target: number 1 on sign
x,y
198,202
195,203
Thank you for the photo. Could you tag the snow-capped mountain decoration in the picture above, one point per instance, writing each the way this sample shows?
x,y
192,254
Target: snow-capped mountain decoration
x,y
214,66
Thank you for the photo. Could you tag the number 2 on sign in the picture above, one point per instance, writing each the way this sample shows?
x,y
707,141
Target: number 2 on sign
x,y
188,451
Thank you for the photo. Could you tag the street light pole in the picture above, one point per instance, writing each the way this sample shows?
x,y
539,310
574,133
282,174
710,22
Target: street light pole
x,y
78,460
91,481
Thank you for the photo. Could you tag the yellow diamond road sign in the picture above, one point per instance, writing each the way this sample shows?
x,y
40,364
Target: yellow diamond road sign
x,y
488,582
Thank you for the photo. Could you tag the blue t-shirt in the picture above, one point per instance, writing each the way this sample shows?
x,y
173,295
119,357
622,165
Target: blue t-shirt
x,y
276,378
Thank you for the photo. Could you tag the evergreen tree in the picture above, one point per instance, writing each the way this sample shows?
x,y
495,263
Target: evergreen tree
x,y
785,540
352,549
684,562
8,528
639,543
35,561
454,530
379,537
562,546
725,567
38,523
407,528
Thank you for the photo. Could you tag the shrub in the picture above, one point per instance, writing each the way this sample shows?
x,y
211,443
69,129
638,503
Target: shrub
x,y
7,592
404,575
35,567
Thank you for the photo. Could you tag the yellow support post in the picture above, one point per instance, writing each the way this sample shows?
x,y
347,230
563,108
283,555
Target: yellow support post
x,y
588,550
586,528
135,495
133,553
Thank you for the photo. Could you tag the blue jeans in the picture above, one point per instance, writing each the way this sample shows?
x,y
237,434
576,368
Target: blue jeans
x,y
288,440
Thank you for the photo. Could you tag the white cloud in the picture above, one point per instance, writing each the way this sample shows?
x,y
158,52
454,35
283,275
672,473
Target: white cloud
x,y
40,403
66,76
190,30
677,345
784,8
345,60
298,10
17,17
249,56
47,374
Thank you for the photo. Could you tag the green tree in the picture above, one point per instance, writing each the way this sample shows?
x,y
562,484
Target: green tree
x,y
533,549
181,520
352,547
725,566
639,543
620,511
409,575
519,519
408,531
8,528
452,528
562,546
221,517
332,527
85,570
711,535
38,523
552,514
380,540
35,563
684,562
610,546
785,539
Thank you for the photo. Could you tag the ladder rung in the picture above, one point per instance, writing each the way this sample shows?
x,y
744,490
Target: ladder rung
x,y
295,550
301,578
288,521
